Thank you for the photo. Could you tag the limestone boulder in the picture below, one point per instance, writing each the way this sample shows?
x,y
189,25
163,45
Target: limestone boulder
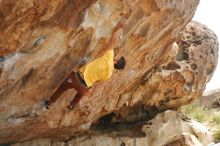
x,y
42,41
166,129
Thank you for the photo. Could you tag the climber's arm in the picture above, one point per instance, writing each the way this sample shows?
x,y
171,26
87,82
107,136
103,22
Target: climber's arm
x,y
112,44
115,37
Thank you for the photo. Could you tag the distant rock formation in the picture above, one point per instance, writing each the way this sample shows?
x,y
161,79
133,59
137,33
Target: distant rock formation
x,y
41,42
210,99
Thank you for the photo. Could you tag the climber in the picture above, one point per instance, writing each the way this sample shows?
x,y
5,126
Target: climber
x,y
99,69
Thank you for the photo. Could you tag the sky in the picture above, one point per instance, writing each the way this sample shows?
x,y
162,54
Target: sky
x,y
208,13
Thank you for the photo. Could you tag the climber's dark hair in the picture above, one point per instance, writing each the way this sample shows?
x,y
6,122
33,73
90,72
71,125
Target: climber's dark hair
x,y
120,63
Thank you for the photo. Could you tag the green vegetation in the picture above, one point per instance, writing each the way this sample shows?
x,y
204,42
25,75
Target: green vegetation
x,y
195,111
217,135
216,118
209,117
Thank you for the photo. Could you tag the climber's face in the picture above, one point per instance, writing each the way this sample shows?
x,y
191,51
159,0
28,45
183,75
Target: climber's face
x,y
119,64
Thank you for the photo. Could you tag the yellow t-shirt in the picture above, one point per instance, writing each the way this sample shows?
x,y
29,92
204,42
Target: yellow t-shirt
x,y
98,70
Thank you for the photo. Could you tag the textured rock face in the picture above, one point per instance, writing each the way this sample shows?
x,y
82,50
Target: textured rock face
x,y
189,65
166,129
41,42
